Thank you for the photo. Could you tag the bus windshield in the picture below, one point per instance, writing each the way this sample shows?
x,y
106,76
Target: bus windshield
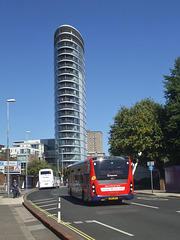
x,y
111,169
45,172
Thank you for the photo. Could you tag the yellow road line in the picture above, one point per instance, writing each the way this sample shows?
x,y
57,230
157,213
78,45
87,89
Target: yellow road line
x,y
63,223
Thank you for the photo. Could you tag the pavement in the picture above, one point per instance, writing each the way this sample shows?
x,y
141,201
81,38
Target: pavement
x,y
17,223
21,221
158,193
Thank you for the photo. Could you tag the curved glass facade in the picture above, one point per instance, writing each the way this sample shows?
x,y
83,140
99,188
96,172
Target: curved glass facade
x,y
70,94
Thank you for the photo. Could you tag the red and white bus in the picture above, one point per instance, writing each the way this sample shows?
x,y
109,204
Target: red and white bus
x,y
101,179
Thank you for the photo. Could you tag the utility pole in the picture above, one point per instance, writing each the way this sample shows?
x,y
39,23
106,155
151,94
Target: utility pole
x,y
27,158
8,101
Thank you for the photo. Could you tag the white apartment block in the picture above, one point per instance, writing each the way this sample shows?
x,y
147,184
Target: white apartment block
x,y
22,150
25,151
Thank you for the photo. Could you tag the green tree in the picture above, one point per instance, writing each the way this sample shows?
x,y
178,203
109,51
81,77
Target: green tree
x,y
172,110
2,155
36,165
138,129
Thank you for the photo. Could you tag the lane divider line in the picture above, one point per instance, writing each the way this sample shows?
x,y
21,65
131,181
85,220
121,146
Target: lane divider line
x,y
59,210
41,200
48,209
113,228
39,203
63,223
143,205
47,205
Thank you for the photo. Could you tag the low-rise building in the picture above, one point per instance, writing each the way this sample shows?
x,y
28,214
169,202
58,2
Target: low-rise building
x,y
26,151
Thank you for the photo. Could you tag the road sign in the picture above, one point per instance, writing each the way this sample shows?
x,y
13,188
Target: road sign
x,y
151,168
14,167
150,163
11,163
17,169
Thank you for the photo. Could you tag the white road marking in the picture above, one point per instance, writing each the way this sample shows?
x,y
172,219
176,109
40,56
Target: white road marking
x,y
89,221
115,229
59,212
143,205
50,209
55,193
47,205
41,200
153,198
46,202
77,222
59,216
54,214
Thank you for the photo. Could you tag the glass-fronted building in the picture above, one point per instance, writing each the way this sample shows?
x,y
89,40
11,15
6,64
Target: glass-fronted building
x,y
70,95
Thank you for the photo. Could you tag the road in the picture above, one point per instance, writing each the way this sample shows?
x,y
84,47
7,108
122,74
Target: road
x,y
146,217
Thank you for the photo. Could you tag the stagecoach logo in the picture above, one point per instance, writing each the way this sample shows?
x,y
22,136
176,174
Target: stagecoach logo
x,y
93,178
109,175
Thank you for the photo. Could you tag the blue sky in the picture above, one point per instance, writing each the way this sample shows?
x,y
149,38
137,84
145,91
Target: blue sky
x,y
129,46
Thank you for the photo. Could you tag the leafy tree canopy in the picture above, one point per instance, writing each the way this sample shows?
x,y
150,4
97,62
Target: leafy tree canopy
x,y
172,109
149,127
136,130
36,165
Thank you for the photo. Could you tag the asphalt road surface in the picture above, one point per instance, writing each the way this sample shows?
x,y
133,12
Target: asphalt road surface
x,y
146,217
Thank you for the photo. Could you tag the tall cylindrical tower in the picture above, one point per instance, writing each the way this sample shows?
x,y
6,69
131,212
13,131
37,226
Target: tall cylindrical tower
x,y
69,94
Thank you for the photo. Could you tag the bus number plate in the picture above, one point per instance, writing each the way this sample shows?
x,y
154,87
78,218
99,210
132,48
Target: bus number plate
x,y
112,198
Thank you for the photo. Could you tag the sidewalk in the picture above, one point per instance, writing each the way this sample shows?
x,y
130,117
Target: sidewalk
x,y
18,223
158,193
4,200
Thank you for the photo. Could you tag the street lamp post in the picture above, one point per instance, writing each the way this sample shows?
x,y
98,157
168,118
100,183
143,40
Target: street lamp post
x,y
57,157
26,157
57,162
62,165
8,101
